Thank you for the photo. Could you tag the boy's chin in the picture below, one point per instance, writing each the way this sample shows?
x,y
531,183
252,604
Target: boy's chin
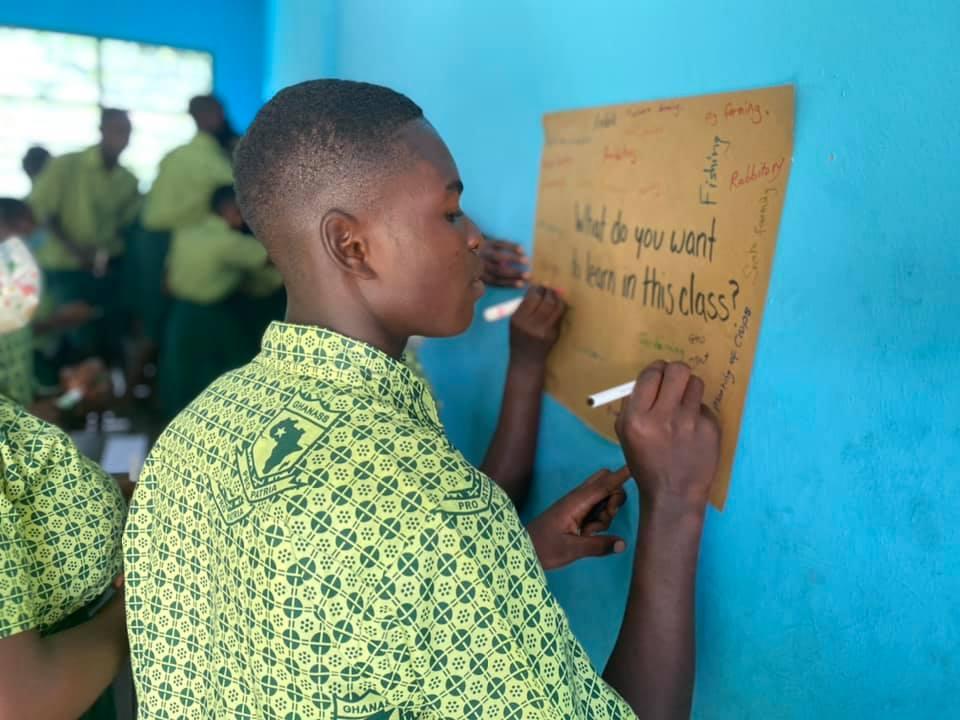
x,y
456,326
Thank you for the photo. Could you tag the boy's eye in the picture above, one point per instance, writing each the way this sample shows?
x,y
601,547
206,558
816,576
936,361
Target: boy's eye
x,y
454,216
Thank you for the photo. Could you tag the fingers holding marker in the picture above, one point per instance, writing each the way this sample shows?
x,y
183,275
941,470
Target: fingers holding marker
x,y
676,376
536,295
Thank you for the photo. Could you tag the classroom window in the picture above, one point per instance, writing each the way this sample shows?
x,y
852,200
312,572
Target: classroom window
x,y
52,86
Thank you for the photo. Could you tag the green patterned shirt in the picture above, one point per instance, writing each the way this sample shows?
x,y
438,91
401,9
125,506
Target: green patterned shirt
x,y
61,519
305,542
16,365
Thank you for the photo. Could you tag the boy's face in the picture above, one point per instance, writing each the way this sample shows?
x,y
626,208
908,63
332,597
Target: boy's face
x,y
115,133
423,249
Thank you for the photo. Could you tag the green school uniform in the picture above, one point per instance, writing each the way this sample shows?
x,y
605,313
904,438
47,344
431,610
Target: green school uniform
x,y
186,179
16,366
262,300
305,542
205,334
61,519
180,197
95,206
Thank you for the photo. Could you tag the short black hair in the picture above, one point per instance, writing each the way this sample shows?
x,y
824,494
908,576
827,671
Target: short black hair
x,y
203,103
312,137
108,114
35,159
13,210
222,196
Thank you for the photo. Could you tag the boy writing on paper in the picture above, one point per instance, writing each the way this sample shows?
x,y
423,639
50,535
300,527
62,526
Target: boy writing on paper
x,y
305,541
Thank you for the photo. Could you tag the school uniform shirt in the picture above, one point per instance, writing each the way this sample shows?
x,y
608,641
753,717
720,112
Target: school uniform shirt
x,y
262,282
305,542
209,261
61,519
95,205
185,182
16,365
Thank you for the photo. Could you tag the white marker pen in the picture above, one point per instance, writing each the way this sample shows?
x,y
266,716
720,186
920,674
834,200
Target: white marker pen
x,y
605,397
502,310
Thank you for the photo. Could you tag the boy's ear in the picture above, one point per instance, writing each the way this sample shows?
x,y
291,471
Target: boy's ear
x,y
339,233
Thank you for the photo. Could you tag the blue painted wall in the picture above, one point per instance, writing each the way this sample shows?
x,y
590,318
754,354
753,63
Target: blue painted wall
x,y
233,30
829,588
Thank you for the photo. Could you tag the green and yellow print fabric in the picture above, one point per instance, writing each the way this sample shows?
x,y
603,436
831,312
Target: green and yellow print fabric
x,y
16,365
61,519
306,543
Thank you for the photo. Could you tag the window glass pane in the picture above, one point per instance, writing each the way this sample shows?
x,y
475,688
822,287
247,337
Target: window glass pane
x,y
154,135
53,66
153,77
58,127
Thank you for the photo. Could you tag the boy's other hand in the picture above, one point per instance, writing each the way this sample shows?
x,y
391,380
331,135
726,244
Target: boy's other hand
x,y
568,529
671,441
505,264
535,326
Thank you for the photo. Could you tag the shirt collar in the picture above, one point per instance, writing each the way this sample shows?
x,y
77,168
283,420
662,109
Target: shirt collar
x,y
346,364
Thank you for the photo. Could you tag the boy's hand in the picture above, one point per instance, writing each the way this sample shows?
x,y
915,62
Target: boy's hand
x,y
568,529
535,326
89,377
670,439
505,264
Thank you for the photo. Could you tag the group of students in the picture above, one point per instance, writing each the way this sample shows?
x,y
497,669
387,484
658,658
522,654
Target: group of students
x,y
304,540
154,268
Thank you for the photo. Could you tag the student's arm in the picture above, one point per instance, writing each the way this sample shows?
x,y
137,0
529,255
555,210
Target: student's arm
x,y
163,204
46,200
60,676
672,445
245,252
534,329
130,205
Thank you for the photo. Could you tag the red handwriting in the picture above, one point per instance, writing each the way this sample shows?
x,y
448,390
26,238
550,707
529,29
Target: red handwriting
x,y
620,153
711,118
556,162
549,184
647,189
768,171
751,111
675,108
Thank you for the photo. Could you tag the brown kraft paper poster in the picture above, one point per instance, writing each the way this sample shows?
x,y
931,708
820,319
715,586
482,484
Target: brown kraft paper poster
x,y
659,222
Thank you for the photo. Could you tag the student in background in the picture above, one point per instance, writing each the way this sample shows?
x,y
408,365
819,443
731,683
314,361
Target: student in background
x,y
21,368
261,301
353,563
189,174
179,197
61,519
209,262
87,200
34,161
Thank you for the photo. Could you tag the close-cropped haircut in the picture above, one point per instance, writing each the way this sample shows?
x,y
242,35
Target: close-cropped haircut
x,y
313,139
13,210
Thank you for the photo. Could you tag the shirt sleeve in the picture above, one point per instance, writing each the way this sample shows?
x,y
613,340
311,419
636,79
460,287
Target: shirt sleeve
x,y
17,610
161,206
45,198
131,204
498,644
245,252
